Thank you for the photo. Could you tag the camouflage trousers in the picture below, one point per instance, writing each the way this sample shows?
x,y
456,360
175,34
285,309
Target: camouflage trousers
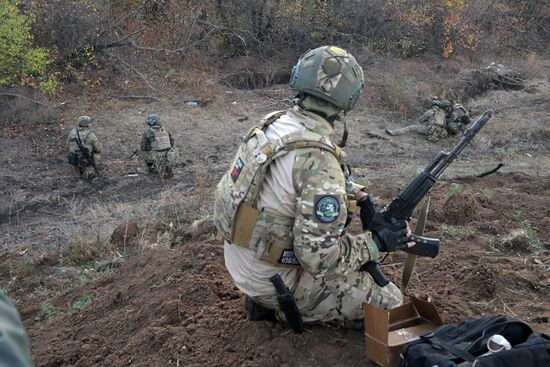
x,y
88,173
158,161
338,301
433,132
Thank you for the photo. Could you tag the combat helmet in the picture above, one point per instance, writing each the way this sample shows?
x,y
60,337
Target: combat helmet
x,y
152,120
331,74
84,121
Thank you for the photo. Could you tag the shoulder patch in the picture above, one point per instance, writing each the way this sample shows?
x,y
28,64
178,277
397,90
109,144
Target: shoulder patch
x,y
327,208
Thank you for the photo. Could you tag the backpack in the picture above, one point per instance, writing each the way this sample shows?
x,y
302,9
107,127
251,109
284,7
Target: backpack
x,y
466,345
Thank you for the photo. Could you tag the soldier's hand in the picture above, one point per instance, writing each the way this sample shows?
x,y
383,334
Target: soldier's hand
x,y
391,237
369,208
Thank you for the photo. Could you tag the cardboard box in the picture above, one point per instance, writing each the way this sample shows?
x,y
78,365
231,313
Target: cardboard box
x,y
387,332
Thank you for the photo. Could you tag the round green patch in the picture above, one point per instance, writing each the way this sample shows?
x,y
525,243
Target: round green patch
x,y
327,209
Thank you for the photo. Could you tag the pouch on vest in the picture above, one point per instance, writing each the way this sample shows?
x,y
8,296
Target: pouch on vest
x,y
232,199
161,140
72,158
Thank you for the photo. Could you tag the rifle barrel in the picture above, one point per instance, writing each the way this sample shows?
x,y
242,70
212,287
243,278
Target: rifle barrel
x,y
440,165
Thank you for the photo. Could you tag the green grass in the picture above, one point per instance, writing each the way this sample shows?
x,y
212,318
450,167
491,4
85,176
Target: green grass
x,y
530,231
488,193
49,312
456,233
23,268
506,153
82,302
455,188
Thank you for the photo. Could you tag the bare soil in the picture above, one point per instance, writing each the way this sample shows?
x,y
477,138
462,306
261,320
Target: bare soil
x,y
172,302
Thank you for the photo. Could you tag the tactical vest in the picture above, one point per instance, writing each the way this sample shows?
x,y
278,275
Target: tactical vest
x,y
458,111
268,233
161,140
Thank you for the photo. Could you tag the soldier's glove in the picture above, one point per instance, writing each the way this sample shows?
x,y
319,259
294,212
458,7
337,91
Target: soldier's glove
x,y
390,237
387,236
369,208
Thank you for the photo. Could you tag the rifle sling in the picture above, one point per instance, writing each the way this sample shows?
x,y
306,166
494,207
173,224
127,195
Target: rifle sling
x,y
411,258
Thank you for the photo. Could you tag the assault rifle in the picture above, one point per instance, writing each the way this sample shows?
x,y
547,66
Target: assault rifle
x,y
401,208
88,157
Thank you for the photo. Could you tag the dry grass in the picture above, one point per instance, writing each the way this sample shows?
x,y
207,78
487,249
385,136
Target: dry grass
x,y
80,250
534,67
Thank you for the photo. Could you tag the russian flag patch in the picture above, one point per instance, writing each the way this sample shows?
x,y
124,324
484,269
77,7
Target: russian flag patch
x,y
237,170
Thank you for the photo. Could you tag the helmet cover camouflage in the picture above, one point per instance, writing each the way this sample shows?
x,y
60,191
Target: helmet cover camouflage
x,y
153,119
84,121
331,74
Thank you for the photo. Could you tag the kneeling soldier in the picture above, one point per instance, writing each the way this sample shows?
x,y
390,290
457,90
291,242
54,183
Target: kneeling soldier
x,y
156,148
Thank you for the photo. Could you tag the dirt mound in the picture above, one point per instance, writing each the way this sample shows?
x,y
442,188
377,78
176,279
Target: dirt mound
x,y
177,307
125,234
472,83
517,241
461,208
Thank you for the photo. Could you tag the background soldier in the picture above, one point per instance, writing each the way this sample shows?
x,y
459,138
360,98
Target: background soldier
x,y
84,149
157,147
290,219
14,344
442,119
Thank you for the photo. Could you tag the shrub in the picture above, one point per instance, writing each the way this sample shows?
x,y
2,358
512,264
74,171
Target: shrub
x,y
19,61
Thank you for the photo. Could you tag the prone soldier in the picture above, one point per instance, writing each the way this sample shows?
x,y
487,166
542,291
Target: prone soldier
x,y
444,118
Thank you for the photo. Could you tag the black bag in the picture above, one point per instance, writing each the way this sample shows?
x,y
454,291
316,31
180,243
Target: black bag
x,y
466,344
72,158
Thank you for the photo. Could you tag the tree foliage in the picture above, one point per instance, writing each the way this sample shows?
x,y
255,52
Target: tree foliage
x,y
20,62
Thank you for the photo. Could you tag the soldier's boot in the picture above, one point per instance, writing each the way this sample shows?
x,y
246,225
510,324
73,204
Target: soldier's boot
x,y
255,312
168,173
150,169
88,174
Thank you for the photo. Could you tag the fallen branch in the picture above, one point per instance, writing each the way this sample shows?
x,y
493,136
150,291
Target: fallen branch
x,y
142,77
15,95
138,97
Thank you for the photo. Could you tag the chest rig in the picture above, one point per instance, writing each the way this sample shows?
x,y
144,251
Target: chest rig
x,y
266,232
161,140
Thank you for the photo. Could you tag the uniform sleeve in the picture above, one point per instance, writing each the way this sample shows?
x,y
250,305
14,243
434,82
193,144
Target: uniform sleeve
x,y
146,141
321,212
14,345
171,140
96,145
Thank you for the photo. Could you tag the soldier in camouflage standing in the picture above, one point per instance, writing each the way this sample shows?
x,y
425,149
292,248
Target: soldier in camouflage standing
x,y
283,205
442,119
156,147
84,149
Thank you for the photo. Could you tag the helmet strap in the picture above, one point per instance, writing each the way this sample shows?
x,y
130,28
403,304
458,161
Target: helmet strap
x,y
344,139
319,106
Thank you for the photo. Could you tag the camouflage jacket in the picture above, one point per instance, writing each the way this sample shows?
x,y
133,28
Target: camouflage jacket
x,y
88,138
14,345
307,186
